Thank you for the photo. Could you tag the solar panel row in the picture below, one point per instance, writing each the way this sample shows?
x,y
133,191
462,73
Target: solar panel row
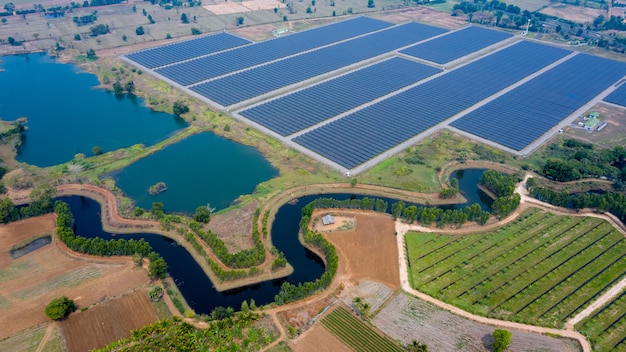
x,y
168,54
522,115
455,45
248,84
307,107
618,96
358,137
204,68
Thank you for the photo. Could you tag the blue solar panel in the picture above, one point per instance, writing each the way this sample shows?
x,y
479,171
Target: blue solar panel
x,y
522,115
309,106
204,68
618,96
356,138
457,44
248,84
171,53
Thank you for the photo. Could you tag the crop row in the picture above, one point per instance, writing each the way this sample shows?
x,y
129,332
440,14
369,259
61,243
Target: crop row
x,y
606,329
472,271
440,242
474,244
355,333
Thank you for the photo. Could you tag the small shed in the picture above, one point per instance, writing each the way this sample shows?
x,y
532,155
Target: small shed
x,y
328,220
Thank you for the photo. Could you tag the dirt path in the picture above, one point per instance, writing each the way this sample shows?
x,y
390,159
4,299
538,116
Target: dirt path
x,y
601,301
46,336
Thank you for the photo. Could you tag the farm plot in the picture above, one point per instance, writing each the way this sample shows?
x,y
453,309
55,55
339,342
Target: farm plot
x,y
355,333
522,115
455,45
606,328
220,64
541,269
302,109
406,318
248,84
361,135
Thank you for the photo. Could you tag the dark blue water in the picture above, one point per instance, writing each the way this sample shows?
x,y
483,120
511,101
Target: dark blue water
x,y
67,114
203,168
194,285
468,179
33,246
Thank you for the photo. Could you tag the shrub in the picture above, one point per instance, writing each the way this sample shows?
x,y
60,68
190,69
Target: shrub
x,y
59,308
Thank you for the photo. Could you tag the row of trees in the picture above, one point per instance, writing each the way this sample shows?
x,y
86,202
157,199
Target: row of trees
x,y
366,203
242,259
429,215
41,203
614,203
99,246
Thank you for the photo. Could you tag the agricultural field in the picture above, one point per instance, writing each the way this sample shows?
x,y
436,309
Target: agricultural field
x,y
355,333
541,269
606,328
405,318
107,322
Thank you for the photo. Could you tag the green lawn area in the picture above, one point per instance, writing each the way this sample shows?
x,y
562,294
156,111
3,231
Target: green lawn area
x,y
356,334
606,328
541,269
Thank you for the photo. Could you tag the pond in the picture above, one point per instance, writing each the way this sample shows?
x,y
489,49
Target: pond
x,y
194,285
201,169
30,247
67,114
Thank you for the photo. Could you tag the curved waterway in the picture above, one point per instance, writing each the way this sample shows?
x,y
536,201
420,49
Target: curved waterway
x,y
194,285
67,114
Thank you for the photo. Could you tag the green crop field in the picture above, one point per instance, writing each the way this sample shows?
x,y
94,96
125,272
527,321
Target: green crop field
x,y
355,333
540,270
606,328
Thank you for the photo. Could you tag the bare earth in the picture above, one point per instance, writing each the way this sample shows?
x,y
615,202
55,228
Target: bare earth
x,y
30,282
108,322
226,7
235,228
422,14
578,14
319,340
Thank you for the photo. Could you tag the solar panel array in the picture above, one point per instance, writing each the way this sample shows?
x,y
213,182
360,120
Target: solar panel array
x,y
251,83
360,136
522,115
208,67
307,107
169,54
455,45
618,96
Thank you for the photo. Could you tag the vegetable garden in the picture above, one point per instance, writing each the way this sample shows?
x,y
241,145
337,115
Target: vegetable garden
x,y
355,333
606,329
540,269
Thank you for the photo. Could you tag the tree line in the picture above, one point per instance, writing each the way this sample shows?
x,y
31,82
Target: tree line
x,y
366,203
614,203
41,203
426,216
99,246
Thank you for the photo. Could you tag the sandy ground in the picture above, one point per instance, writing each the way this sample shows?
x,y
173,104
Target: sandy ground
x,y
30,282
227,7
578,14
423,14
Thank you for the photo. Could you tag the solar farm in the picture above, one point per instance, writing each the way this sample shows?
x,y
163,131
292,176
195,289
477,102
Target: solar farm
x,y
355,92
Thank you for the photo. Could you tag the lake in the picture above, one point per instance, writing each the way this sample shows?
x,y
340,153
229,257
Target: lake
x,y
203,168
67,114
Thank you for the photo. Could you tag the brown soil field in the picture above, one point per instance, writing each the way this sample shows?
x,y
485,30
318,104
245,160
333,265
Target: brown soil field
x,y
108,322
303,314
368,251
578,14
17,232
318,339
426,15
29,283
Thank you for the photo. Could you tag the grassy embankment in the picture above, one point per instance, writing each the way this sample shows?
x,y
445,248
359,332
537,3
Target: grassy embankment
x,y
541,269
606,328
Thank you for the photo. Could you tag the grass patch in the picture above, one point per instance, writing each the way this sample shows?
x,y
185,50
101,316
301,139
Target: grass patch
x,y
26,340
355,333
606,328
541,269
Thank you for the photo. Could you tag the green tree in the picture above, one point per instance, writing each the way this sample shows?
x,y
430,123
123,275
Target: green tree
x,y
158,268
59,308
353,182
155,293
118,88
91,54
137,211
124,37
180,108
370,4
139,30
130,86
202,215
77,37
240,20
12,41
97,150
157,209
6,208
42,197
184,19
134,8
417,347
501,340
137,259
195,31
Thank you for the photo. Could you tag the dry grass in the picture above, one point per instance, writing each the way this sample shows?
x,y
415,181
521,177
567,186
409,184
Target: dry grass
x,y
612,135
